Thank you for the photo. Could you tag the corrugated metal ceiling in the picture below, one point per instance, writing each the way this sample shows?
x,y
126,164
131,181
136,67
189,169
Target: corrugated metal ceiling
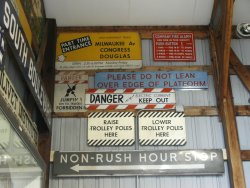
x,y
138,12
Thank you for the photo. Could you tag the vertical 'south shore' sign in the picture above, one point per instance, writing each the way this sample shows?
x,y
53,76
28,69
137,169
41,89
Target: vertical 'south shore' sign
x,y
113,50
17,40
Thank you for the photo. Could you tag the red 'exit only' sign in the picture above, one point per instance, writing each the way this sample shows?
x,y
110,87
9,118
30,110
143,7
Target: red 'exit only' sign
x,y
174,47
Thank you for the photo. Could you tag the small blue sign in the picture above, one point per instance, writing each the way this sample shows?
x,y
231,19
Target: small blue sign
x,y
159,79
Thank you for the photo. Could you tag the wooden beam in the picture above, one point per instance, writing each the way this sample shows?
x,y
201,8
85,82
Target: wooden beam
x,y
226,46
200,32
227,114
215,60
242,110
245,155
41,53
189,111
48,68
232,142
205,68
242,71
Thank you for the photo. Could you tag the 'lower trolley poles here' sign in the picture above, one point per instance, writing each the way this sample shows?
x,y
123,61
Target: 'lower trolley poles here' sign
x,y
148,98
111,129
161,162
162,128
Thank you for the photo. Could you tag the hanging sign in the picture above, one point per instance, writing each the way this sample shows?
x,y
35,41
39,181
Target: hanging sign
x,y
156,162
16,38
2,49
69,91
159,79
104,50
111,129
174,47
162,128
4,132
147,98
11,97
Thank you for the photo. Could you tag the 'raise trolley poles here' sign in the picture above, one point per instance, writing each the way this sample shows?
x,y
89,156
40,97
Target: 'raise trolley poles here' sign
x,y
112,50
111,129
148,98
156,162
162,128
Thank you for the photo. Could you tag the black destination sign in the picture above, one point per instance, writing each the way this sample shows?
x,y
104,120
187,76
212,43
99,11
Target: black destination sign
x,y
16,38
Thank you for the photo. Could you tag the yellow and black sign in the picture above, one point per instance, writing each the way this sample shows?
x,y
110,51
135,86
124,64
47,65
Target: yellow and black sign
x,y
103,50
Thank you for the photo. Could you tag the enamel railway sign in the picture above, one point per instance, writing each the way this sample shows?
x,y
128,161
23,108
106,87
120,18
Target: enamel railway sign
x,y
15,104
111,129
122,163
17,40
174,46
162,128
148,98
113,50
191,80
69,91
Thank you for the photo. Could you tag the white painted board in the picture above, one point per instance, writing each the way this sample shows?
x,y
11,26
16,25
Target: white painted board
x,y
162,128
111,129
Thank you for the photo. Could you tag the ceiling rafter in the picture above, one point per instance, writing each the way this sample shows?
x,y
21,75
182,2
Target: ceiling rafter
x,y
242,71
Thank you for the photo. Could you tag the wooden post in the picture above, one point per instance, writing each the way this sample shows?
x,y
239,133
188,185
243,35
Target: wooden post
x,y
227,114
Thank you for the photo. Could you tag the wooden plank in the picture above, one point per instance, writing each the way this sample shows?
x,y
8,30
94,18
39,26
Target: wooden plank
x,y
158,68
227,114
200,111
245,155
48,68
205,68
242,110
226,46
232,142
215,60
200,32
242,71
41,53
190,111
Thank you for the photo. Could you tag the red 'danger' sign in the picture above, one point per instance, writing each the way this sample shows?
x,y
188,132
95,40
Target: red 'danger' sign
x,y
174,47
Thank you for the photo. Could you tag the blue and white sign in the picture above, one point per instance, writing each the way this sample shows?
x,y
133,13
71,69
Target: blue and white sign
x,y
158,79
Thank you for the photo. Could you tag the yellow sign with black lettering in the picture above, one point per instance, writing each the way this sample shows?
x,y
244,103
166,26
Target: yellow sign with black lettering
x,y
103,50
